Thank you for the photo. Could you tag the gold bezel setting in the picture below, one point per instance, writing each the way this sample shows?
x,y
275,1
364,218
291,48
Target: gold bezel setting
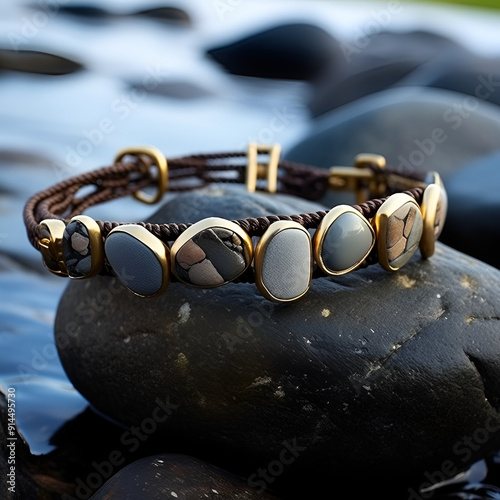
x,y
322,231
260,252
50,244
389,208
203,225
434,194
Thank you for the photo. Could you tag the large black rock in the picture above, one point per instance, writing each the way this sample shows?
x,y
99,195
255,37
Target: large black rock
x,y
373,380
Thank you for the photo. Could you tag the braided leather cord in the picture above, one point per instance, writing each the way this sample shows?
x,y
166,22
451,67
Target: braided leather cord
x,y
62,201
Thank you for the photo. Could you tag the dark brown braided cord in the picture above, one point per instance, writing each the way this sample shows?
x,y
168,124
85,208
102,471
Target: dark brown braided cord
x,y
61,201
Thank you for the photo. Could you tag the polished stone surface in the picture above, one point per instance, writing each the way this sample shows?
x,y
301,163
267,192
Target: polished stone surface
x,y
346,242
134,263
286,266
404,230
77,249
211,258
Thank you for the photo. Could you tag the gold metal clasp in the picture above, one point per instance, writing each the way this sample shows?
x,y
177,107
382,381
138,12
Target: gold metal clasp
x,y
362,180
159,161
269,170
50,244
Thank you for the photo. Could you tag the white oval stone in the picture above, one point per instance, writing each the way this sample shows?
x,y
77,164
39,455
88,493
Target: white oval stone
x,y
134,263
286,264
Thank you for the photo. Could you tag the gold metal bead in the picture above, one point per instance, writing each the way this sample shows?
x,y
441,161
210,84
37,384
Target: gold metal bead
x,y
343,240
211,253
139,259
434,208
51,247
82,247
399,227
283,262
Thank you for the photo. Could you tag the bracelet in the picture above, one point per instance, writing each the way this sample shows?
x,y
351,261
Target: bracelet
x,y
396,213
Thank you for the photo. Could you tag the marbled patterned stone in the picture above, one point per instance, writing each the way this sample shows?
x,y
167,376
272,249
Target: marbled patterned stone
x,y
211,257
283,262
76,249
404,230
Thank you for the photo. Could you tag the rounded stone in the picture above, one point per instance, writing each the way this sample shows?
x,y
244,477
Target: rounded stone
x,y
437,137
134,262
171,476
76,249
283,264
82,247
474,208
399,226
296,51
211,253
370,374
388,59
403,235
347,242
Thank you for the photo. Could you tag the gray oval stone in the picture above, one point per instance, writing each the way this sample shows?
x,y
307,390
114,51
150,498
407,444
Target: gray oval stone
x,y
134,263
347,242
286,264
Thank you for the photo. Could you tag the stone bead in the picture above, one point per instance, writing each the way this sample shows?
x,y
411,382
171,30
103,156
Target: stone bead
x,y
210,253
343,240
434,209
283,262
139,260
399,230
82,247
